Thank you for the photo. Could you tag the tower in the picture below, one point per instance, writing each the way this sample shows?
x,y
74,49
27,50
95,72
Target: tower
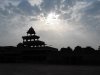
x,y
32,40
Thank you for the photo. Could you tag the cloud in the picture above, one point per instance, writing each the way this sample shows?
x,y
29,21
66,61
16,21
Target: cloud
x,y
93,9
80,21
48,6
82,15
90,18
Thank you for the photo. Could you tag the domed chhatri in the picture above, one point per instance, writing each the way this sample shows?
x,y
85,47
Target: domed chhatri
x,y
31,40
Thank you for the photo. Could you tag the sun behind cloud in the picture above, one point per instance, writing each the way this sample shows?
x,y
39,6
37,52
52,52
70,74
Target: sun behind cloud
x,y
52,18
51,21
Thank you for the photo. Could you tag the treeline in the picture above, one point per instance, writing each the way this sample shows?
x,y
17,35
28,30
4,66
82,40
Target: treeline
x,y
79,55
48,55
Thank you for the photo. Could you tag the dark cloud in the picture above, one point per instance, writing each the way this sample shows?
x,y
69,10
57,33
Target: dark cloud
x,y
25,7
90,18
48,6
93,9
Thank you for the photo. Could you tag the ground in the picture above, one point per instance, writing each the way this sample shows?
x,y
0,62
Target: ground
x,y
38,69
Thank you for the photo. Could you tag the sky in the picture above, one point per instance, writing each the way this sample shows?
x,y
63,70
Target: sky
x,y
60,23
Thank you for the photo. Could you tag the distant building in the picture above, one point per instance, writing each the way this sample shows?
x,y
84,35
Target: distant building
x,y
31,40
32,49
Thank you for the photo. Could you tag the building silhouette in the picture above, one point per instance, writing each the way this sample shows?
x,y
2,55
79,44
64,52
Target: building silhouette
x,y
32,50
32,40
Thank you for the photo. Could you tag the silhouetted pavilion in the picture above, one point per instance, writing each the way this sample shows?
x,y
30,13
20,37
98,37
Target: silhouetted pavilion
x,y
32,40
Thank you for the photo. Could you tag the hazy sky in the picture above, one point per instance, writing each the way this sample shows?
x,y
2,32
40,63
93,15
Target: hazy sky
x,y
60,23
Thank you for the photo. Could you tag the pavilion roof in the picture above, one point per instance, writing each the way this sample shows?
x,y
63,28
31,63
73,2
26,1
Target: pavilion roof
x,y
31,31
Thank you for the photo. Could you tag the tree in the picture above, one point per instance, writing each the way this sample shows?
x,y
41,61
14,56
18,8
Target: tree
x,y
20,45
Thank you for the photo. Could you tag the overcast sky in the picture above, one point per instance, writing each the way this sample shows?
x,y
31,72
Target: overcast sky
x,y
59,23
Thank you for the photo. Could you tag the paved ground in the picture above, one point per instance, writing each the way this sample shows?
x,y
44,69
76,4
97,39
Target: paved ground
x,y
30,69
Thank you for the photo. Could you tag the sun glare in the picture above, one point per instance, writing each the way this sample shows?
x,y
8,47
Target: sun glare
x,y
52,18
51,21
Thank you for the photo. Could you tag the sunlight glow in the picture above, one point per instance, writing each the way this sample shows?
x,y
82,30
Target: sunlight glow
x,y
52,18
54,23
51,21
